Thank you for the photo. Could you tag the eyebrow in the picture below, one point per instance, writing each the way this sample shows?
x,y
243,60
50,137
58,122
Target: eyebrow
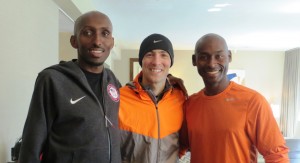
x,y
220,51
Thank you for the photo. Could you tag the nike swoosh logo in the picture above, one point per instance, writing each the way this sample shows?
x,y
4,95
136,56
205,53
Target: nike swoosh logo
x,y
75,101
156,41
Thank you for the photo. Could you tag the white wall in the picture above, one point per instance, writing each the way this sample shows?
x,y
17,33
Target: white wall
x,y
120,64
66,51
184,69
264,71
29,43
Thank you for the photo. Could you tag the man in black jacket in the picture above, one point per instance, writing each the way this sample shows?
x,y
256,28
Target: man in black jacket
x,y
73,114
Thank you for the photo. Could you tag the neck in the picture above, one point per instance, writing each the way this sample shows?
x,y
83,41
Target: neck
x,y
214,89
92,69
156,88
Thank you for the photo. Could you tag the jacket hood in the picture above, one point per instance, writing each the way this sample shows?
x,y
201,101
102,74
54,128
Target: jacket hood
x,y
70,68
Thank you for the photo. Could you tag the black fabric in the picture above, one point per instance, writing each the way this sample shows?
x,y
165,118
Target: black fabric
x,y
95,81
65,131
156,41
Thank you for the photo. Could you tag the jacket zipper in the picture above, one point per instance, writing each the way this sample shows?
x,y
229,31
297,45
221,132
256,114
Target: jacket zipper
x,y
106,120
105,117
107,123
107,128
108,138
158,126
151,94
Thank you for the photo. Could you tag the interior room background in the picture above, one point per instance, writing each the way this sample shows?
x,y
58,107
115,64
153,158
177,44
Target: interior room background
x,y
30,41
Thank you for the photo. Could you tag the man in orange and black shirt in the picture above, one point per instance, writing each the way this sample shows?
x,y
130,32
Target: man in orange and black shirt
x,y
151,109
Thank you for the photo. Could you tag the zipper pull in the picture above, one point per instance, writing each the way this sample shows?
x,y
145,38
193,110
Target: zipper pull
x,y
107,120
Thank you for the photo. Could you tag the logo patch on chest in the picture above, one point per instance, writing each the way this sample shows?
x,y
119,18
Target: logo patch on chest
x,y
113,93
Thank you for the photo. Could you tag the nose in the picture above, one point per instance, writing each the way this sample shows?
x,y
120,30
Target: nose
x,y
98,39
211,62
156,59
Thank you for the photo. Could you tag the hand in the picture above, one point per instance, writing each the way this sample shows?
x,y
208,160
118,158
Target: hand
x,y
178,82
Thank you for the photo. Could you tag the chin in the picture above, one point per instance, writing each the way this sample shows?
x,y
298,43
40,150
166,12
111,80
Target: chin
x,y
96,64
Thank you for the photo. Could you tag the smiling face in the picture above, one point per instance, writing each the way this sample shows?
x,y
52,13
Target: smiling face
x,y
93,40
212,58
155,67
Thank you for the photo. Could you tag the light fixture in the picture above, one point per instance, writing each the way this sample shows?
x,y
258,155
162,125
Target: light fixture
x,y
218,7
214,9
222,5
291,8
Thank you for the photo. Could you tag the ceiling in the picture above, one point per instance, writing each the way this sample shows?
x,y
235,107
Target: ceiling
x,y
246,25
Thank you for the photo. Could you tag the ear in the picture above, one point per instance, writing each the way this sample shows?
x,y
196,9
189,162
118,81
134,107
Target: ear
x,y
113,43
73,42
194,59
229,55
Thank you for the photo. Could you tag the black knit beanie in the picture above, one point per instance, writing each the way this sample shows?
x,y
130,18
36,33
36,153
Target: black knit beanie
x,y
156,41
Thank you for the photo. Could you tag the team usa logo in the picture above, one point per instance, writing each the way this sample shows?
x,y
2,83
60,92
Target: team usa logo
x,y
113,93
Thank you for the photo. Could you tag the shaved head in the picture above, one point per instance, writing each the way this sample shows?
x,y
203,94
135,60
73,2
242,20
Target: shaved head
x,y
209,38
80,21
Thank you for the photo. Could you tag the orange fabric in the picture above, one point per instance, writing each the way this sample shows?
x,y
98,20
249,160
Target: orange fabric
x,y
230,126
139,114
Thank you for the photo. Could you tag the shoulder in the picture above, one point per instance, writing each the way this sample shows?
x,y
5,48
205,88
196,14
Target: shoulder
x,y
58,69
66,71
253,99
130,87
125,88
195,96
194,99
48,72
109,72
177,92
110,76
244,91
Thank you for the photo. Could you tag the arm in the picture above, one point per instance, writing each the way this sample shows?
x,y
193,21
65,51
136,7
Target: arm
x,y
265,133
183,137
178,82
127,146
35,128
